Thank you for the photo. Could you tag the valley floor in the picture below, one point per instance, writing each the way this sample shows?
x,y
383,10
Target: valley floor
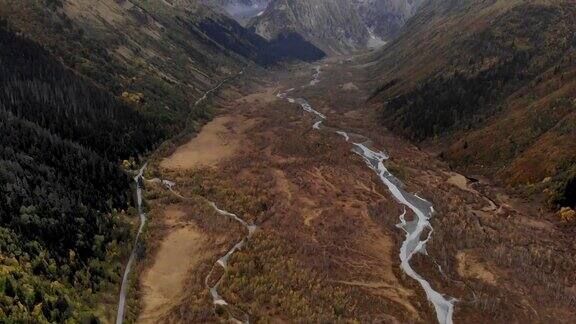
x,y
327,246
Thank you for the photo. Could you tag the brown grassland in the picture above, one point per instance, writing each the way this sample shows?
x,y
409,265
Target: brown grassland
x,y
326,249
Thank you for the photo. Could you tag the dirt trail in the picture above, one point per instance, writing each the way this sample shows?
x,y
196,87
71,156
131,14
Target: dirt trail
x,y
178,254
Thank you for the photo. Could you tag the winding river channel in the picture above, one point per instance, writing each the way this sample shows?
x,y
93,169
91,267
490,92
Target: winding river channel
x,y
139,180
414,229
422,209
222,262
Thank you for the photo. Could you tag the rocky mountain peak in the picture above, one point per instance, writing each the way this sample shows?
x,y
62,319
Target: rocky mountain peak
x,y
336,26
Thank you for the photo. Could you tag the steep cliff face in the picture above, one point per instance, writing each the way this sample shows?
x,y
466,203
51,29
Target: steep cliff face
x,y
336,26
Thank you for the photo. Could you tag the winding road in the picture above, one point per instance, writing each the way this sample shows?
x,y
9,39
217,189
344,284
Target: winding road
x,y
122,299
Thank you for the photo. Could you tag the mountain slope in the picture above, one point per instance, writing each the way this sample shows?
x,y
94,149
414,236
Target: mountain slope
x,y
333,26
495,81
85,85
170,52
336,26
62,235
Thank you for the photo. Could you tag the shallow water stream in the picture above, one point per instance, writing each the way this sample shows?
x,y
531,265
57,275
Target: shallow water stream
x,y
422,209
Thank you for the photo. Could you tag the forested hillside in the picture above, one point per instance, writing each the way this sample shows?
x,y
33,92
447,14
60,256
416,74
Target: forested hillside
x,y
499,89
61,139
37,88
83,86
161,55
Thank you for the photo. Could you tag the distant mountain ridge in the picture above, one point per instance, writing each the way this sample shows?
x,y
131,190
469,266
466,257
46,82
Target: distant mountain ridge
x,y
336,26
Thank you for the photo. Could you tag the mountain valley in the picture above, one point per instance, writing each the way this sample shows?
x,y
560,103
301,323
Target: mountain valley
x,y
287,161
324,221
